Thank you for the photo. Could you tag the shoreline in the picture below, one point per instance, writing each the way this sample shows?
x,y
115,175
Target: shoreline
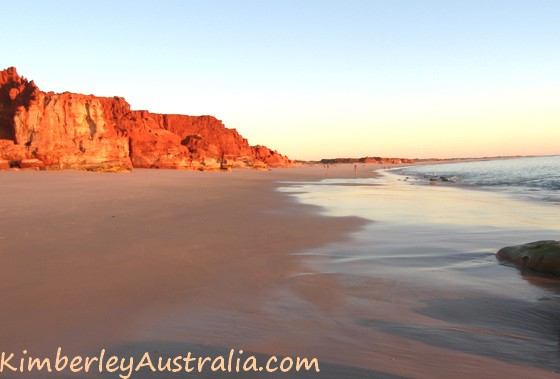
x,y
523,191
409,289
179,260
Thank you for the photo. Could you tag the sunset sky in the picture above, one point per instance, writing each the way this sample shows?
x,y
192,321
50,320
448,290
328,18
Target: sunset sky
x,y
313,78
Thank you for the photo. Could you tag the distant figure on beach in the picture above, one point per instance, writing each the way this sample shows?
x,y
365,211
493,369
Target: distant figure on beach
x,y
355,169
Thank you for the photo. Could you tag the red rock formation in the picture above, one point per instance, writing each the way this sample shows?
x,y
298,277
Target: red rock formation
x,y
57,130
382,160
378,160
48,130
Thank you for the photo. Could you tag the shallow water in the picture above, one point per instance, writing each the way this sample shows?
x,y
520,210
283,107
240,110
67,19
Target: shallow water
x,y
431,249
534,178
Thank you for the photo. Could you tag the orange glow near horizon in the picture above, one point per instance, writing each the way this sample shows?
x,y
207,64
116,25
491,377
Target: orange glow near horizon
x,y
459,126
357,78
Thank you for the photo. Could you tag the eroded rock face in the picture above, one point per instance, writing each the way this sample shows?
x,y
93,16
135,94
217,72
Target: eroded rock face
x,y
56,131
541,256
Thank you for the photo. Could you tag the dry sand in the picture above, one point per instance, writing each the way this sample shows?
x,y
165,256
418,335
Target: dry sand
x,y
175,261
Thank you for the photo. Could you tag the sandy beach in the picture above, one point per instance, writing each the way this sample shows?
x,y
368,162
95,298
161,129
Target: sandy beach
x,y
174,261
280,189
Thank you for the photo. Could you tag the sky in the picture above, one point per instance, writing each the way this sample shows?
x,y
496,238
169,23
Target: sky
x,y
313,78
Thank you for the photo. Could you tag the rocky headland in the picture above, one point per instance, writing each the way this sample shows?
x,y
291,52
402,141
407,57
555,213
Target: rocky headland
x,y
375,160
47,130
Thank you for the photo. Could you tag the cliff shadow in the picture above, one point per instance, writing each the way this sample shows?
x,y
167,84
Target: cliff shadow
x,y
92,125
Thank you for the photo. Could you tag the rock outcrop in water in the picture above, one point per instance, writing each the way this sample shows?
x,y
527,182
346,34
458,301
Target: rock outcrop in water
x,y
66,130
541,256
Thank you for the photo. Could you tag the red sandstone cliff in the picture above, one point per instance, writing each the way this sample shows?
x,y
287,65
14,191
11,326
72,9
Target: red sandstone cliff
x,y
67,130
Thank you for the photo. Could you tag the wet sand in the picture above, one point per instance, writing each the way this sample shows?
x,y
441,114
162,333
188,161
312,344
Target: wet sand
x,y
175,261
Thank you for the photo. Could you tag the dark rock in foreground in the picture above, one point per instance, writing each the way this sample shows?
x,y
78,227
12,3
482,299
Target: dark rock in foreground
x,y
541,256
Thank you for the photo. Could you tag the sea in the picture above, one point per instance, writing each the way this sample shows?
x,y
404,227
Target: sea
x,y
429,237
534,178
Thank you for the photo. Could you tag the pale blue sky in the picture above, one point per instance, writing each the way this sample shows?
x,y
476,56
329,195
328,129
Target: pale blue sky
x,y
313,79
